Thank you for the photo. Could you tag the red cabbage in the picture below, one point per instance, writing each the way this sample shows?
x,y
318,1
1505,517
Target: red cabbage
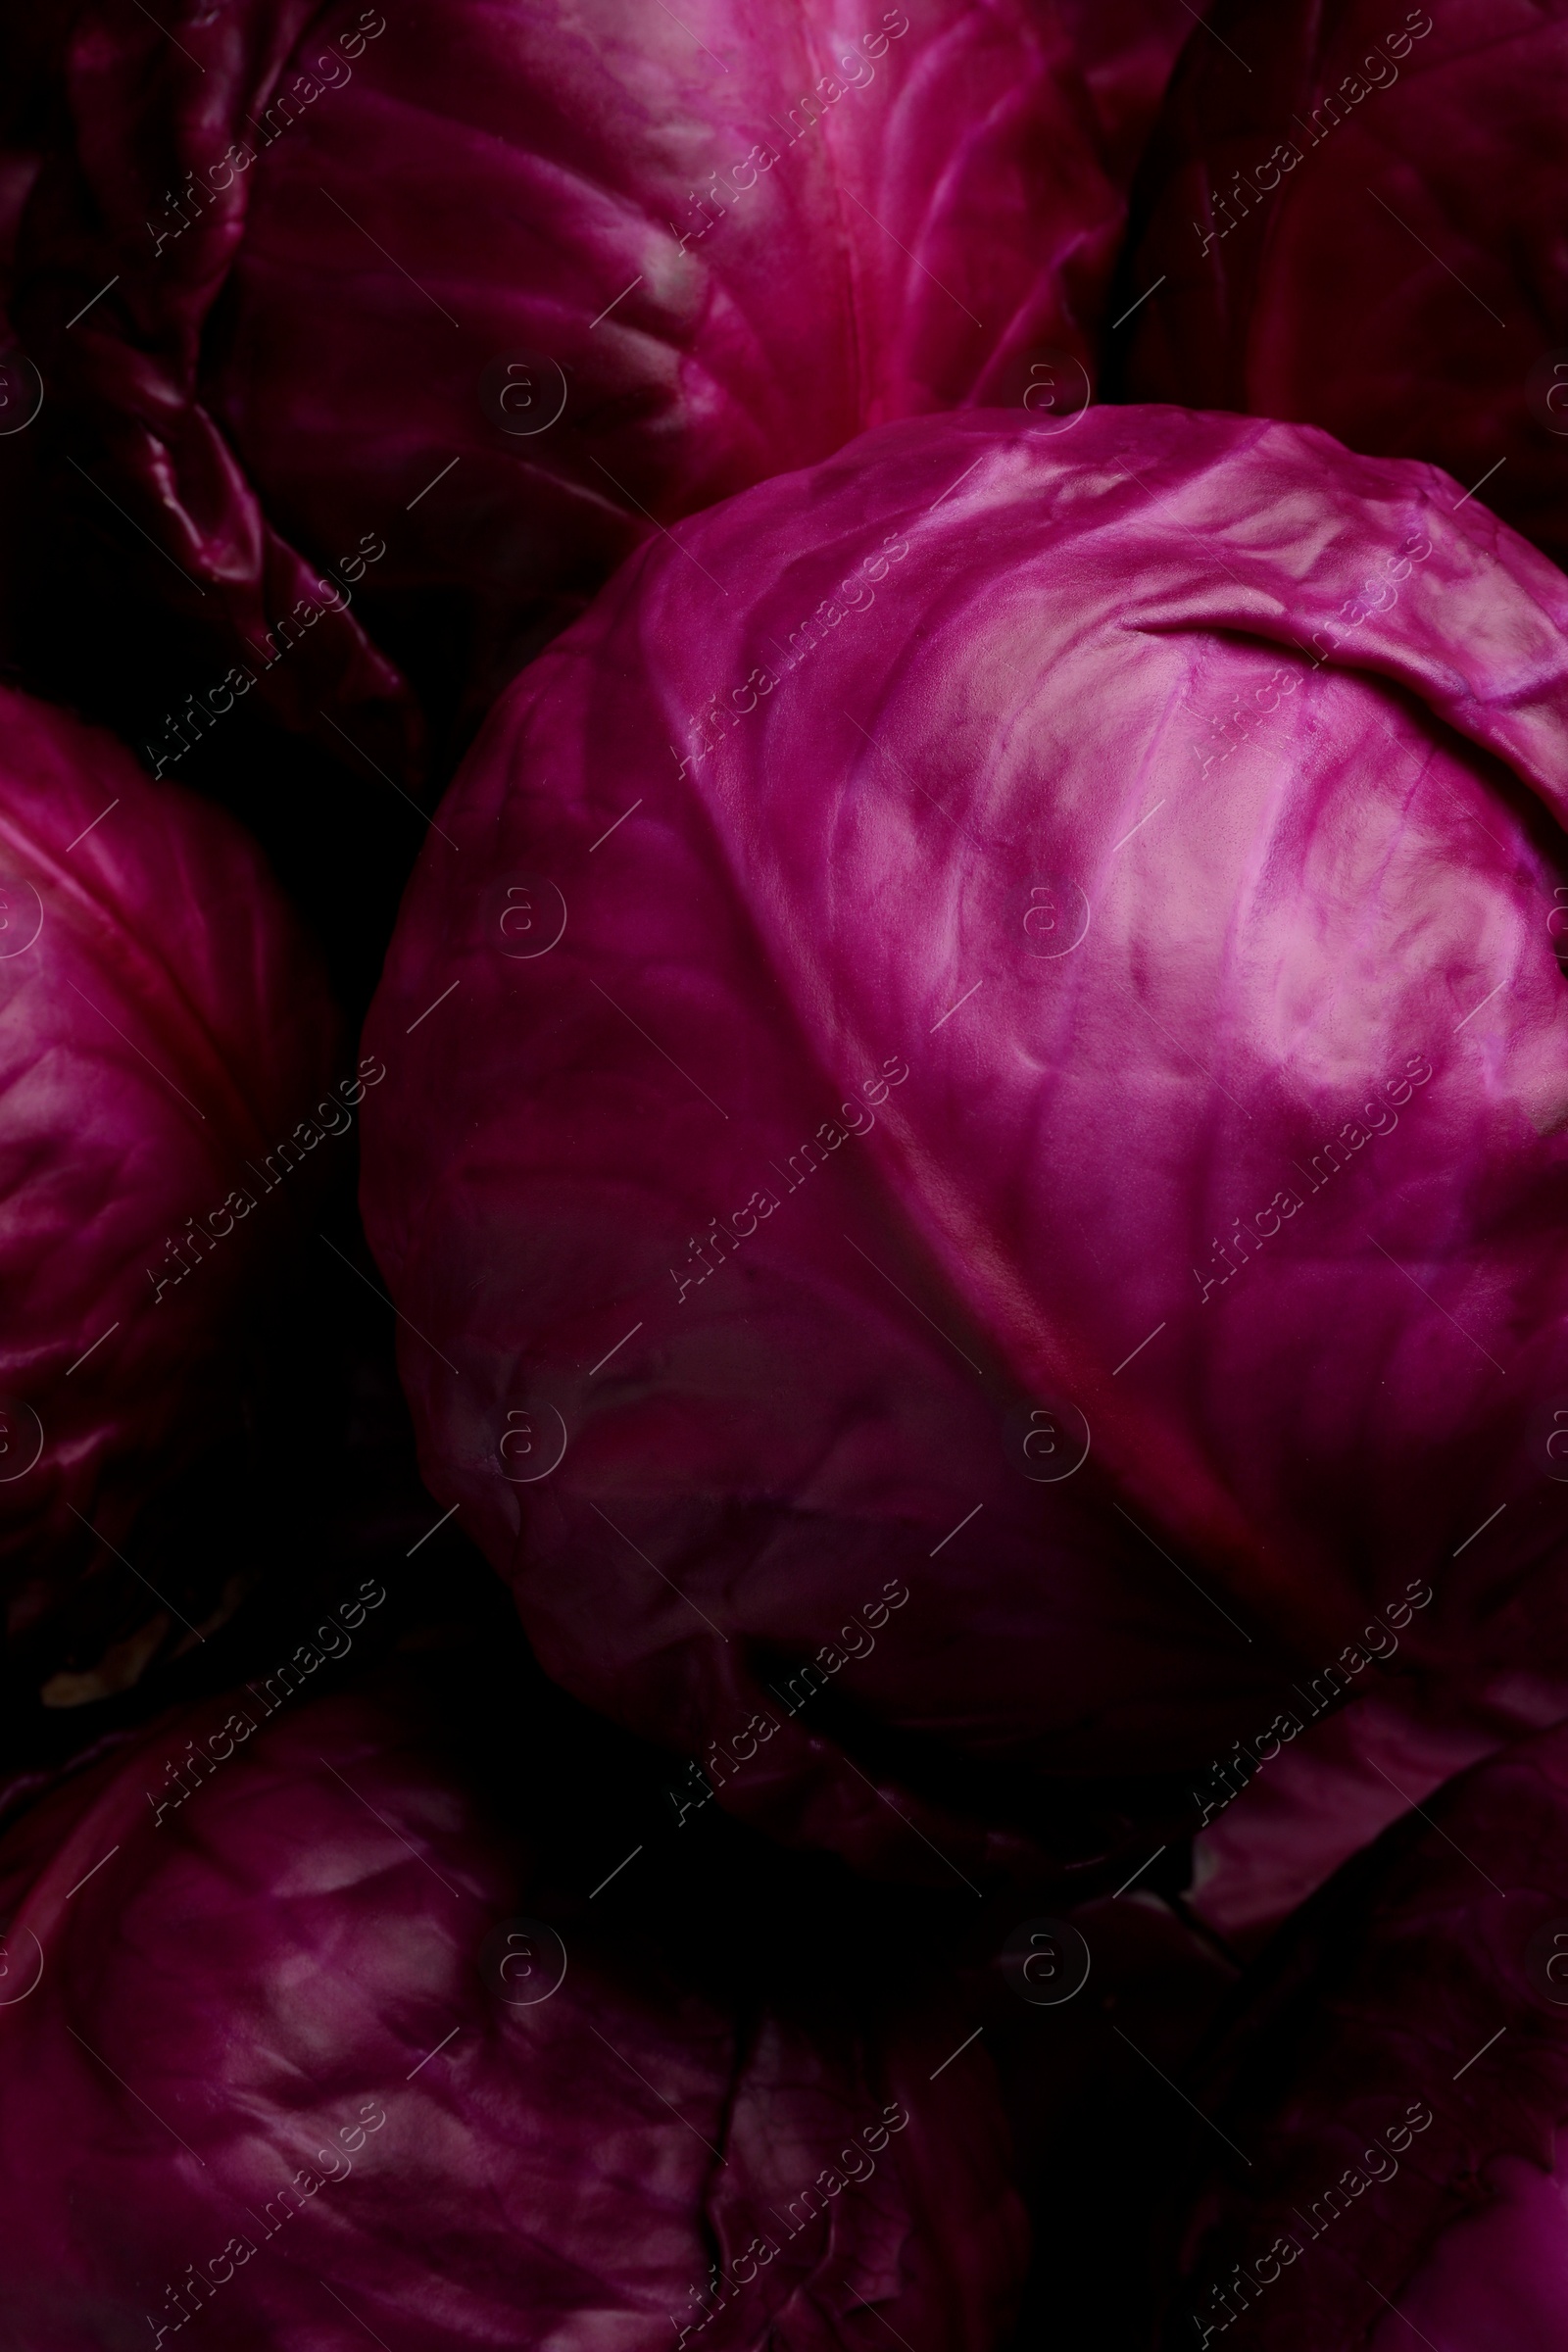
x,y
305,2064
1348,215
506,286
1015,940
168,1070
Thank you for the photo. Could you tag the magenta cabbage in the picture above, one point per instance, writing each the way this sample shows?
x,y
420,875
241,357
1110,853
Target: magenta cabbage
x,y
1395,2093
1349,216
989,1027
290,2057
166,1039
506,286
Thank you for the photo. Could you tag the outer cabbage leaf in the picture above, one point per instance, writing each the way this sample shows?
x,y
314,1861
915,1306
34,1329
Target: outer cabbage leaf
x,y
1351,216
1010,942
508,287
1397,2086
278,1996
1326,1796
1127,51
165,1038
